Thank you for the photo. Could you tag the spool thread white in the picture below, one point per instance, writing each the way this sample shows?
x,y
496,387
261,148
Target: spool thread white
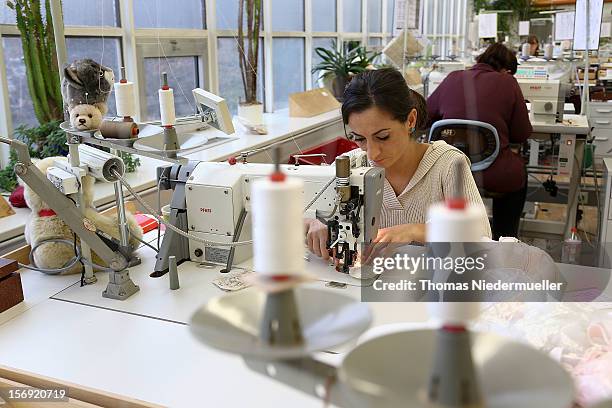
x,y
525,50
166,107
125,99
548,51
278,236
453,225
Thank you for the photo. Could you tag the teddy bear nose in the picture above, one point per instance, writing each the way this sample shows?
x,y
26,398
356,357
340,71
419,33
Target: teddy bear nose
x,y
82,121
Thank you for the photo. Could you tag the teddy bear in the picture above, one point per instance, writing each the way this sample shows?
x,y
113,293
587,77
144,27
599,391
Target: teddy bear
x,y
86,117
44,224
87,82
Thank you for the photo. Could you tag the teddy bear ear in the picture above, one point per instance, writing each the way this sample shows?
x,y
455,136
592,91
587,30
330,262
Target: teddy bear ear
x,y
70,73
102,107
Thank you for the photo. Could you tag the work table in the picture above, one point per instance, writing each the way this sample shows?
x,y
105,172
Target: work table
x,y
142,348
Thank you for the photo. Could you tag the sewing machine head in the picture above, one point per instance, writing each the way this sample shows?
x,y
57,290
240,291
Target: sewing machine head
x,y
218,194
547,98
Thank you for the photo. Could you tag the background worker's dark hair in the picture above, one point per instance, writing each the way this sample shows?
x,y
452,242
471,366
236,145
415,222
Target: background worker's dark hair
x,y
498,56
387,90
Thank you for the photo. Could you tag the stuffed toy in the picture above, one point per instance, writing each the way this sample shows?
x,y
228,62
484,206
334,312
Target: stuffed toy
x,y
87,82
85,117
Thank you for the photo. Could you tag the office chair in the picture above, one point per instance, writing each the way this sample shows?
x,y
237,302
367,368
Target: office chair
x,y
478,140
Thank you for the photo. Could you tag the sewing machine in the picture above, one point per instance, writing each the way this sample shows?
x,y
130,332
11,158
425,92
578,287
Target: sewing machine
x,y
547,98
211,202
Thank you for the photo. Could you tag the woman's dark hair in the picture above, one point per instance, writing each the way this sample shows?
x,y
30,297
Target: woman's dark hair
x,y
387,90
499,57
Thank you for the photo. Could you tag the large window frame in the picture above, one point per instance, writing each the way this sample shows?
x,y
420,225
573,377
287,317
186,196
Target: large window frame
x,y
200,43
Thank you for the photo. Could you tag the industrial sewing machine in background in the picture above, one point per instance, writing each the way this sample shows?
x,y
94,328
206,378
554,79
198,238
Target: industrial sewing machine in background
x,y
211,201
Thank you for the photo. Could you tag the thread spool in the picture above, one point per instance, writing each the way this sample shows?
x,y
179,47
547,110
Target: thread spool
x,y
525,50
124,99
278,237
548,51
118,130
166,103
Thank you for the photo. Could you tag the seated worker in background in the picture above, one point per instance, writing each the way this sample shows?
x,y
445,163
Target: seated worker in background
x,y
488,92
383,114
534,45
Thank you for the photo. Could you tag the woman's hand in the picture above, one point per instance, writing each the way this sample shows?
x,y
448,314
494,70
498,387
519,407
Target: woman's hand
x,y
382,245
403,233
316,237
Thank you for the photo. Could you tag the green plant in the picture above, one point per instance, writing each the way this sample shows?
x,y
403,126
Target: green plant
x,y
131,163
248,57
39,56
45,140
343,64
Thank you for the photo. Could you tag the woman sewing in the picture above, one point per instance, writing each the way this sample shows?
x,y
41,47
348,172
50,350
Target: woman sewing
x,y
382,115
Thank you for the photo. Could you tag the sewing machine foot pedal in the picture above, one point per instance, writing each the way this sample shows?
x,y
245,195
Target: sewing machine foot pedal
x,y
120,286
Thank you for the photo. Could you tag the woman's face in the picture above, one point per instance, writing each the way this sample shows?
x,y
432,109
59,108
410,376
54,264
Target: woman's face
x,y
383,138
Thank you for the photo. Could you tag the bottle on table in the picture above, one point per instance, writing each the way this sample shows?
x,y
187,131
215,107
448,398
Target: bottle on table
x,y
570,252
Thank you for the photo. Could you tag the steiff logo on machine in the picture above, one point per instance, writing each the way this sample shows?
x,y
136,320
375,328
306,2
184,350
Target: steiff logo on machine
x,y
206,210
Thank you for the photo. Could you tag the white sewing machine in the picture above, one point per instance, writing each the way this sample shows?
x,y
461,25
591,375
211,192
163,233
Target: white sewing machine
x,y
547,98
441,71
217,207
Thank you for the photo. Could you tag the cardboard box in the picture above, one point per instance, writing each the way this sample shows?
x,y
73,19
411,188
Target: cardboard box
x,y
312,103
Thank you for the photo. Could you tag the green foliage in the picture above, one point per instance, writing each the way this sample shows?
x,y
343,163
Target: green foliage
x,y
43,141
39,57
508,22
343,63
131,163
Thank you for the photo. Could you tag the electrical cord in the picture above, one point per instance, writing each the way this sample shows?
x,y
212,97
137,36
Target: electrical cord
x,y
168,225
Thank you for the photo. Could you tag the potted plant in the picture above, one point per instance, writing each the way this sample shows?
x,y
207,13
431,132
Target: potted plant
x,y
340,66
250,109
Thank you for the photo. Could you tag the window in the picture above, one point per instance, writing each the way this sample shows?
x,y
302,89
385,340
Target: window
x,y
7,16
182,78
323,15
375,16
22,110
170,14
230,81
106,51
319,42
352,16
97,13
227,15
288,69
288,15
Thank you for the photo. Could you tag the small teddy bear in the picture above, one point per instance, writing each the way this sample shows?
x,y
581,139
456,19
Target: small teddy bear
x,y
86,117
45,224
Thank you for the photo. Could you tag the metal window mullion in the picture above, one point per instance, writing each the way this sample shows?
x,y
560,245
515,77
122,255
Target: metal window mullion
x,y
170,33
308,43
340,22
130,58
85,31
213,62
268,61
6,119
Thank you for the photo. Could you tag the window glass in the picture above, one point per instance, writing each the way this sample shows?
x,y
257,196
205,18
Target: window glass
x,y
287,52
97,13
374,16
352,16
288,15
324,15
22,110
230,80
182,78
169,14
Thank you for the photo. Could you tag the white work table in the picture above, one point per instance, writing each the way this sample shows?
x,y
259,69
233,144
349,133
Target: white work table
x,y
280,127
142,348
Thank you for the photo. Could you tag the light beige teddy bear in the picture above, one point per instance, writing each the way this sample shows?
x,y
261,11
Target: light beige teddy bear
x,y
44,224
86,117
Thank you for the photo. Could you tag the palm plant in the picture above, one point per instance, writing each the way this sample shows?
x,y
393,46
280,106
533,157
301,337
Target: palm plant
x,y
249,57
39,56
342,65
